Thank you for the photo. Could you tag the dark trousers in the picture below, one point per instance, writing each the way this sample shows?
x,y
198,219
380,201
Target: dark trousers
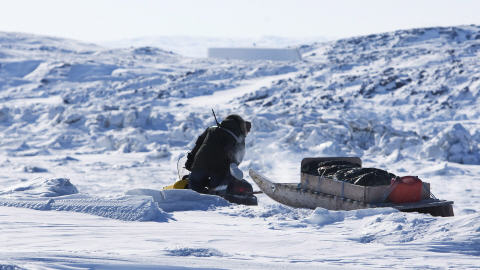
x,y
201,181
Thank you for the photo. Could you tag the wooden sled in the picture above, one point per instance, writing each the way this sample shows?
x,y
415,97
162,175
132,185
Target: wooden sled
x,y
316,191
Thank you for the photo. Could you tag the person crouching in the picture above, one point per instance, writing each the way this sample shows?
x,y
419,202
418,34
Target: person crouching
x,y
215,149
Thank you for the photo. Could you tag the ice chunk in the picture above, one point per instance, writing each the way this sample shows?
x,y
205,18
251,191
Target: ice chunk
x,y
454,144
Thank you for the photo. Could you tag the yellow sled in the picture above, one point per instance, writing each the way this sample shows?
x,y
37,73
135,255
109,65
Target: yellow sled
x,y
180,184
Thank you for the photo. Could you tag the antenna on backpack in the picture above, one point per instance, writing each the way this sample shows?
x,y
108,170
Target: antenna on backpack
x,y
218,124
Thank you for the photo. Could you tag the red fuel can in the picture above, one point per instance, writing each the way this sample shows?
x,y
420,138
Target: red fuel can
x,y
406,189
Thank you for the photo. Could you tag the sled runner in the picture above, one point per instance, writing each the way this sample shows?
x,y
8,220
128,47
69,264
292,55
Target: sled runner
x,y
321,191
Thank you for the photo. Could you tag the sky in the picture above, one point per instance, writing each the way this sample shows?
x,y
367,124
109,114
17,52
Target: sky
x,y
106,20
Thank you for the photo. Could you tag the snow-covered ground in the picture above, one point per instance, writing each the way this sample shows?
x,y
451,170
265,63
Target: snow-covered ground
x,y
83,128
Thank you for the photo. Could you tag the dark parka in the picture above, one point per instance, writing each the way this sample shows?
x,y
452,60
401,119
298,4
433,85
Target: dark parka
x,y
218,146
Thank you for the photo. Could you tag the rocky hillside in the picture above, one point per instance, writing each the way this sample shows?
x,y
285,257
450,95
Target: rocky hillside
x,y
405,94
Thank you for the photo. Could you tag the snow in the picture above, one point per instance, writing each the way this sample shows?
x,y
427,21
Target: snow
x,y
130,209
89,136
42,187
454,144
181,200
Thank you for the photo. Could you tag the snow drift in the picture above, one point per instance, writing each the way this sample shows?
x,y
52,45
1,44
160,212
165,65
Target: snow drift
x,y
42,188
138,204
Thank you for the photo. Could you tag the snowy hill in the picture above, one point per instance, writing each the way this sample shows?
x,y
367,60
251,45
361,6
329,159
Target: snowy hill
x,y
198,46
420,81
80,118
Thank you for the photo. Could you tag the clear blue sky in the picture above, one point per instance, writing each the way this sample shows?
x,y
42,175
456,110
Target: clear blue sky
x,y
103,20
